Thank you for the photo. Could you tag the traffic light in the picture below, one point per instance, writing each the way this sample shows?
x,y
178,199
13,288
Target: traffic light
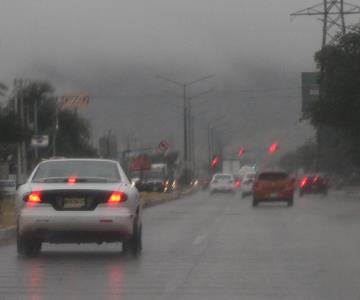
x,y
273,148
214,161
241,152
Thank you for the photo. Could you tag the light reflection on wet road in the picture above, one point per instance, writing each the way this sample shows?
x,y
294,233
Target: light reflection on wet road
x,y
207,248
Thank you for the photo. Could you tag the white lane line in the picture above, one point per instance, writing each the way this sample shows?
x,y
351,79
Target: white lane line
x,y
199,239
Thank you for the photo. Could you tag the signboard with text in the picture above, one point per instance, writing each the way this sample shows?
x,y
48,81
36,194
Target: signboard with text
x,y
40,141
310,90
74,101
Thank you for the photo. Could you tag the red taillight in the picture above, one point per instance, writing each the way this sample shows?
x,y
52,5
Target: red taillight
x,y
71,180
34,197
237,183
116,197
303,182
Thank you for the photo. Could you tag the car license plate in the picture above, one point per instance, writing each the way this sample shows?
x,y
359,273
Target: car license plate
x,y
73,203
273,195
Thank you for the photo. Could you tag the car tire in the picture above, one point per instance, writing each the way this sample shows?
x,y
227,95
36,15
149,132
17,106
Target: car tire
x,y
28,247
243,195
255,202
301,193
133,245
290,202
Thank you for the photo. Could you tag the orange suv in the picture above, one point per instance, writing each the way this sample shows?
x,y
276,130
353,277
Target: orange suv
x,y
273,186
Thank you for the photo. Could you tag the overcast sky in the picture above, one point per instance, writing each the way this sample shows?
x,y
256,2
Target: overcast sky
x,y
113,49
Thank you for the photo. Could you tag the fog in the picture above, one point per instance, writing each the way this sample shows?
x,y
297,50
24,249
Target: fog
x,y
114,50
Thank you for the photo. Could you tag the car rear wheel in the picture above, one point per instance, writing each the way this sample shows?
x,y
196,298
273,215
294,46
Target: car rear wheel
x,y
255,202
290,202
134,244
28,247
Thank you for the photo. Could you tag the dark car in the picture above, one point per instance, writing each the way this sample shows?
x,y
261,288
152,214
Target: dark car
x,y
315,184
153,181
204,182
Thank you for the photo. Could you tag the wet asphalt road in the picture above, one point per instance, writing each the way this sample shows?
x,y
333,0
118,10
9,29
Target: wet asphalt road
x,y
207,248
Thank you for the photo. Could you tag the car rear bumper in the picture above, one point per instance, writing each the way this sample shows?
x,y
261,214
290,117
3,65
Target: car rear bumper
x,y
246,189
222,189
313,190
106,223
272,197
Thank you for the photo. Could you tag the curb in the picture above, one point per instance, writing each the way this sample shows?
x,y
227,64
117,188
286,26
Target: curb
x,y
175,196
7,233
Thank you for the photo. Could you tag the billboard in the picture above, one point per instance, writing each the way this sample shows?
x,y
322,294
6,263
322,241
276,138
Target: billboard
x,y
310,89
73,101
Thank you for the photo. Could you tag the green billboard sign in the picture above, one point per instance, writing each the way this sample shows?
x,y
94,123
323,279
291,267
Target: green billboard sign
x,y
310,89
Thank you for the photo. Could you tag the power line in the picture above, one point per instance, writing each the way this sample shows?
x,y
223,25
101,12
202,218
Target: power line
x,y
332,14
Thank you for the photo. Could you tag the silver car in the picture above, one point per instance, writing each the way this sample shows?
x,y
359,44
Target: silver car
x,y
78,201
222,183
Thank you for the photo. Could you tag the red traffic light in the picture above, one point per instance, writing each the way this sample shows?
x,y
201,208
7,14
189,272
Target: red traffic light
x,y
214,161
273,147
241,152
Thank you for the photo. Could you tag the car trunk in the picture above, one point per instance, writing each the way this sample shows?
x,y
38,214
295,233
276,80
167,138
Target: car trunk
x,y
273,182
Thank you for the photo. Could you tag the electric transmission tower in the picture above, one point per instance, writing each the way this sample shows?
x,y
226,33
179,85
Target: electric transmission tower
x,y
332,14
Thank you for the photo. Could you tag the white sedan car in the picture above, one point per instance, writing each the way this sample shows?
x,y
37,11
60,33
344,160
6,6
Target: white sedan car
x,y
78,201
222,183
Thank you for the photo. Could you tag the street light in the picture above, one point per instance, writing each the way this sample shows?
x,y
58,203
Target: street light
x,y
184,86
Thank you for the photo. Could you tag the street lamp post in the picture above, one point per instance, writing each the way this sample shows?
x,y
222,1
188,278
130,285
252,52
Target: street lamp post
x,y
184,86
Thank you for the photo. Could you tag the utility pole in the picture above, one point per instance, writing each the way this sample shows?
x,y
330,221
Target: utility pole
x,y
210,137
36,130
185,124
21,148
332,14
56,127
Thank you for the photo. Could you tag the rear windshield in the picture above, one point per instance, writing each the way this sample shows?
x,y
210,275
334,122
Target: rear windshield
x,y
81,169
273,176
153,174
223,177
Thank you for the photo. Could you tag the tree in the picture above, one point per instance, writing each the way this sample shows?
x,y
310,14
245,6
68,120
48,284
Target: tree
x,y
3,89
73,139
73,136
11,130
338,109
